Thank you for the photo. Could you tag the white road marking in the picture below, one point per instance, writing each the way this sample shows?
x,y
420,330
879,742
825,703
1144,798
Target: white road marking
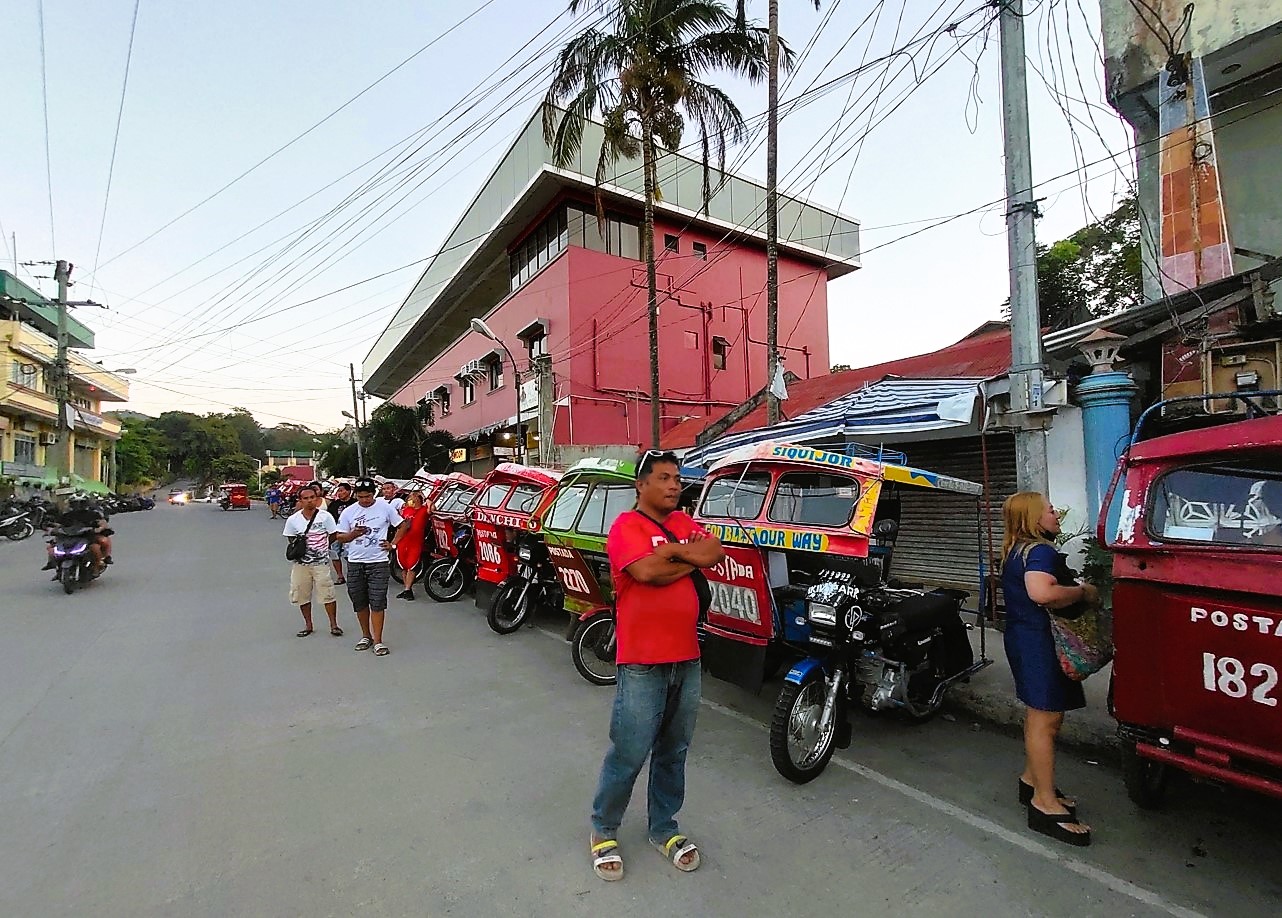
x,y
1032,846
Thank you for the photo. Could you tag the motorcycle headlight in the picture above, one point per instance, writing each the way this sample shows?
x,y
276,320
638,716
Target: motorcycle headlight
x,y
822,614
525,553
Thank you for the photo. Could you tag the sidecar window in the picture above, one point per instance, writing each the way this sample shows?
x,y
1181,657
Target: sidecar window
x,y
736,498
493,495
604,505
566,508
524,498
1234,505
814,499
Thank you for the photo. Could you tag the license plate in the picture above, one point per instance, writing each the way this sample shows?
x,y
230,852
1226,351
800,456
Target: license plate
x,y
735,602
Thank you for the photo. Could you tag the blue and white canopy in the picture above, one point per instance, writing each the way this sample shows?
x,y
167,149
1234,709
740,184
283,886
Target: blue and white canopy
x,y
882,410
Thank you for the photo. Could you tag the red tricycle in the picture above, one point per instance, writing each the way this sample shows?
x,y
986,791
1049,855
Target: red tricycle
x,y
1197,617
453,548
234,497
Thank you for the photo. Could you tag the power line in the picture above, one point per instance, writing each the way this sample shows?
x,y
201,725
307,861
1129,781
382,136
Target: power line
x,y
44,95
115,141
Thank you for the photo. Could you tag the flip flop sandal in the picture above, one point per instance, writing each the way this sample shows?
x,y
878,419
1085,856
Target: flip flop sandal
x,y
364,644
381,650
1053,825
1026,797
304,632
606,854
339,581
337,632
677,847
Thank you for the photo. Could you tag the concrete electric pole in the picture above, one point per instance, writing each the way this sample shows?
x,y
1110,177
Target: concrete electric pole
x,y
1028,411
356,422
65,453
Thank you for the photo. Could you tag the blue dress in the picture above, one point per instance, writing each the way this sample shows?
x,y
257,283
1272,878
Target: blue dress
x,y
1030,649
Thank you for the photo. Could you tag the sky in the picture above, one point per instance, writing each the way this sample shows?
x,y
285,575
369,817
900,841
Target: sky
x,y
231,276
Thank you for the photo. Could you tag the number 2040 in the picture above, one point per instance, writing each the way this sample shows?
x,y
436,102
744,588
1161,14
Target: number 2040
x,y
1229,676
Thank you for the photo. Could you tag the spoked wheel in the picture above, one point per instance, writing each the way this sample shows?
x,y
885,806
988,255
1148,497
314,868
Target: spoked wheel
x,y
445,580
799,750
593,649
510,606
19,531
1145,779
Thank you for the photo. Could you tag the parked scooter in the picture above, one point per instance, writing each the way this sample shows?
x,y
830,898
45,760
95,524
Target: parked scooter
x,y
534,585
447,578
74,560
16,524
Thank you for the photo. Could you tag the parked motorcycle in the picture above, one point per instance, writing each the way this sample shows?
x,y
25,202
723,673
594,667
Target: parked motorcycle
x,y
534,584
75,563
593,647
16,524
447,578
882,649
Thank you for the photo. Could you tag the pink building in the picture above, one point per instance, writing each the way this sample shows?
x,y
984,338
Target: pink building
x,y
569,301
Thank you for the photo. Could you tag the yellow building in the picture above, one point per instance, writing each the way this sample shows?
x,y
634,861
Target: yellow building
x,y
29,448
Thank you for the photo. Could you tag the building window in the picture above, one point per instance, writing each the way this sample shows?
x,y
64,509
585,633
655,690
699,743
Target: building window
x,y
443,399
700,250
622,236
539,248
469,390
691,340
24,374
495,374
720,352
537,345
24,449
671,242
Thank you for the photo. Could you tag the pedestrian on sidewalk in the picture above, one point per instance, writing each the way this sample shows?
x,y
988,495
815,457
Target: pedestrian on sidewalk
x,y
337,552
655,550
1031,585
309,576
274,498
370,529
411,549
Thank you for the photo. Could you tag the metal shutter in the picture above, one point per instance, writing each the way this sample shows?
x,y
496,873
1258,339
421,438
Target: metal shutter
x,y
938,543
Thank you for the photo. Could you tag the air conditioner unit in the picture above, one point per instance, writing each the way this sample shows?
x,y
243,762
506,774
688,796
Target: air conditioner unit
x,y
48,439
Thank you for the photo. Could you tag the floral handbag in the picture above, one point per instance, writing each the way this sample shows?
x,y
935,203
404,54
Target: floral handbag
x,y
1084,637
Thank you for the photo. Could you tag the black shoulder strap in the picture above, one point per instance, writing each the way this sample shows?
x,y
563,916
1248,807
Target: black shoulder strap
x,y
664,529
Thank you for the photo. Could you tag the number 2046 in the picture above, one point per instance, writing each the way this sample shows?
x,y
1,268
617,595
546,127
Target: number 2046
x,y
1230,676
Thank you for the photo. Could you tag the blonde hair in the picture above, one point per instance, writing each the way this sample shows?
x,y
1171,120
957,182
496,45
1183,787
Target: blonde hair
x,y
1021,515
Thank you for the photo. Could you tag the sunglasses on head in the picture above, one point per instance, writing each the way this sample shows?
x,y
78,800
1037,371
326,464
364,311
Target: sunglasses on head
x,y
651,456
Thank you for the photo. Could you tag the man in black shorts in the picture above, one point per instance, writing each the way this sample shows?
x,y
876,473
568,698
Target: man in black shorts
x,y
370,529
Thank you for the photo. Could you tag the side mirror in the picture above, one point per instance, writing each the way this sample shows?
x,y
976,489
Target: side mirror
x,y
886,529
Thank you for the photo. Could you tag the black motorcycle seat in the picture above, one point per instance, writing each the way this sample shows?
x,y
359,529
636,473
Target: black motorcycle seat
x,y
923,613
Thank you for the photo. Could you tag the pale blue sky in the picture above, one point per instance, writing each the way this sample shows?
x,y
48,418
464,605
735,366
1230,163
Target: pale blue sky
x,y
213,88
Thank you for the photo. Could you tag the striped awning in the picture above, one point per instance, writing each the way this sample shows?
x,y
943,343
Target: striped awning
x,y
881,410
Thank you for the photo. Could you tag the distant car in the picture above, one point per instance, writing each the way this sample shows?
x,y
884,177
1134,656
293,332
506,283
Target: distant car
x,y
179,496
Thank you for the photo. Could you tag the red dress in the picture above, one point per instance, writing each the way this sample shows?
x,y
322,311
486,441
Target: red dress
x,y
410,547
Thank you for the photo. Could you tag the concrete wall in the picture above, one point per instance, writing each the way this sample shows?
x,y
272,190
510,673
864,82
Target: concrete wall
x,y
1066,455
1133,53
1247,146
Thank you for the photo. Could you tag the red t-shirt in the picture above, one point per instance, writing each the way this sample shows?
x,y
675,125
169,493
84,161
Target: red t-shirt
x,y
656,624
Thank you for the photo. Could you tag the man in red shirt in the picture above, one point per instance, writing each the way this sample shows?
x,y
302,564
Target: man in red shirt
x,y
654,551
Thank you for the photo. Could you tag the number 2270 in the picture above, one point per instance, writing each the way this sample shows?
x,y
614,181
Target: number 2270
x,y
1227,675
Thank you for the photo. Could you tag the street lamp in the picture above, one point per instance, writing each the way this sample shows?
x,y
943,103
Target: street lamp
x,y
260,472
479,326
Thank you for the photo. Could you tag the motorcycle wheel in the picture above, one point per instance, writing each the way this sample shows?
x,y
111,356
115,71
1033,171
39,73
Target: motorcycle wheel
x,y
69,581
20,531
799,751
509,609
440,585
593,649
1145,779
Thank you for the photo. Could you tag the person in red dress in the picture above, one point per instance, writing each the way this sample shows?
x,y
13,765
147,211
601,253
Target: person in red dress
x,y
410,549
654,551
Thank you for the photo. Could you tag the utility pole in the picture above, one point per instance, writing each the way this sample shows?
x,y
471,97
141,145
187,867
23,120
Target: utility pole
x,y
1027,407
356,422
65,453
772,216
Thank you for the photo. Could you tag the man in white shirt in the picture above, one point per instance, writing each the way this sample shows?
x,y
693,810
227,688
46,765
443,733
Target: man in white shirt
x,y
309,575
370,529
389,495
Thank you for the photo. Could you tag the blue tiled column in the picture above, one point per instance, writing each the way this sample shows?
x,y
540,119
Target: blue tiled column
x,y
1106,426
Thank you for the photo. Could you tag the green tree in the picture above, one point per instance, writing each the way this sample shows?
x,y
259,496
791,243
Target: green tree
x,y
338,454
237,467
141,453
397,442
840,368
271,477
295,437
252,441
642,75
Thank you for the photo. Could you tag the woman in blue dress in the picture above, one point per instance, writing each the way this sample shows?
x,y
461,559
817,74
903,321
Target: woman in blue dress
x,y
1031,586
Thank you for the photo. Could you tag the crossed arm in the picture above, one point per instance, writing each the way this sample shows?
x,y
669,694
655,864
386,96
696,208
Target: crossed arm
x,y
673,560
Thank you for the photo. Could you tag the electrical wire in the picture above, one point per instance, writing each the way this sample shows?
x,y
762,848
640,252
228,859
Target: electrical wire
x,y
44,96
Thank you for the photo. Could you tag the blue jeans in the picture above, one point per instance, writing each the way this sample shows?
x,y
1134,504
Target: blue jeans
x,y
654,713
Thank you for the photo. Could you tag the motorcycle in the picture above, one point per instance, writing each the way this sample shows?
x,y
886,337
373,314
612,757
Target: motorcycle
x,y
447,578
75,563
16,525
534,585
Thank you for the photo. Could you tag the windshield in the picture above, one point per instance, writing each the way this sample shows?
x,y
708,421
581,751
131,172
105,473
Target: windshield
x,y
525,497
604,504
1235,504
566,507
453,500
814,499
493,495
736,498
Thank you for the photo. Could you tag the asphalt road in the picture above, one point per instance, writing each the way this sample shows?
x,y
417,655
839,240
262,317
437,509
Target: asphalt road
x,y
168,747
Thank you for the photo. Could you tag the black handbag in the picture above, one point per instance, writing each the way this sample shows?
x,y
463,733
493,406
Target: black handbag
x,y
296,547
697,577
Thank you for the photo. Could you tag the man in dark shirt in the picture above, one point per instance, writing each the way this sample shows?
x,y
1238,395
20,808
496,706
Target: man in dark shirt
x,y
341,500
81,514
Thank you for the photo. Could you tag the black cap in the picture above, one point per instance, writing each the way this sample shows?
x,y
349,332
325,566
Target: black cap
x,y
365,484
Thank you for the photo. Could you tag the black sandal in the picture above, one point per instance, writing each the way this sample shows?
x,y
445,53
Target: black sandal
x,y
336,631
1026,797
1053,826
304,632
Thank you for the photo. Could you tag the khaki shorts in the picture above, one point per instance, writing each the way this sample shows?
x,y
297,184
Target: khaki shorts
x,y
304,577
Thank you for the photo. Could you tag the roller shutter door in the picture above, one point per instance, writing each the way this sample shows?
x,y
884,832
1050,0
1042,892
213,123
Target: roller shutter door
x,y
938,542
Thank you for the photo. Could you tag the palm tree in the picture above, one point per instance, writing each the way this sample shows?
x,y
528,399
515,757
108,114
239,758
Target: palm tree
x,y
772,203
642,75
